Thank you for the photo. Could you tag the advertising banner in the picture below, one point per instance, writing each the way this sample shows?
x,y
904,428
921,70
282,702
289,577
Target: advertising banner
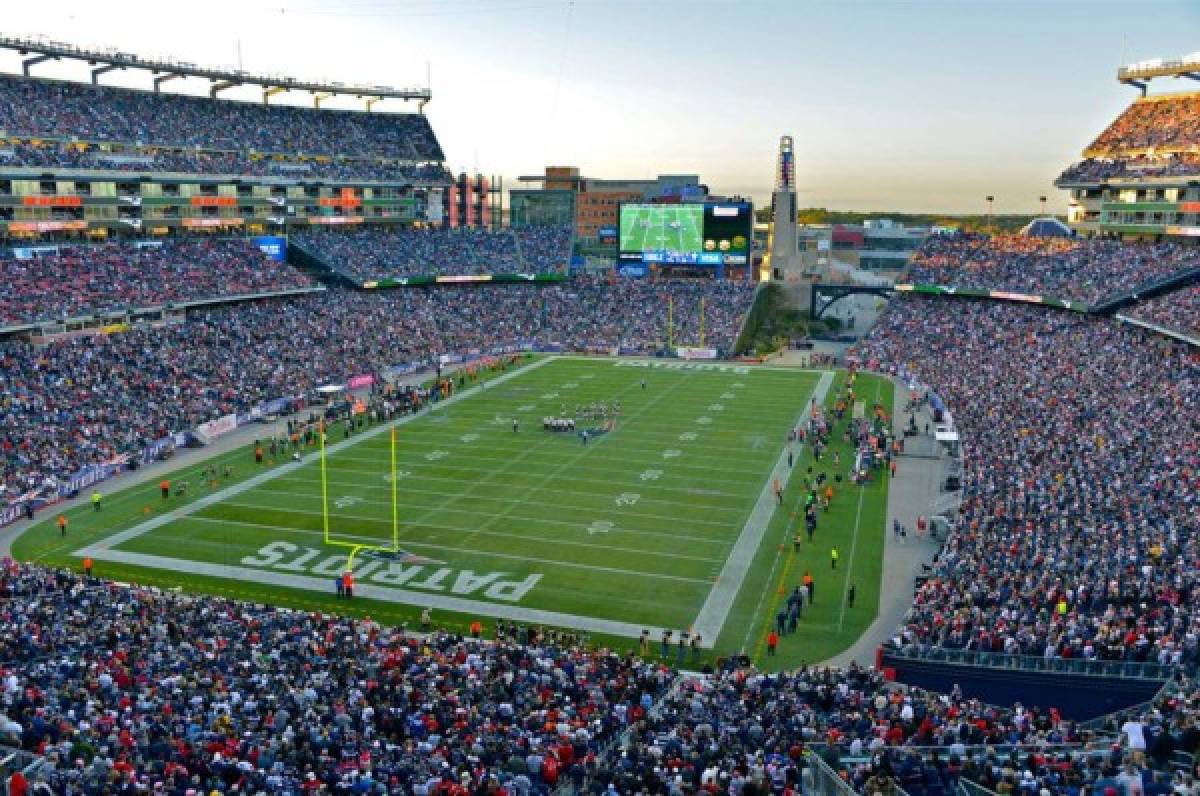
x,y
358,382
273,246
687,352
215,428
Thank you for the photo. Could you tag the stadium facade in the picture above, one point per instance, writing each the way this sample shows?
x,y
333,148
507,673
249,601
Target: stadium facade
x,y
149,163
1141,176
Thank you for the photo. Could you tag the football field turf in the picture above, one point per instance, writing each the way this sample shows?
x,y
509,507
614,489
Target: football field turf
x,y
659,523
678,228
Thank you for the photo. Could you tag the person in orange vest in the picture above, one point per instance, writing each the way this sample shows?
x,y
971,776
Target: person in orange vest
x,y
87,566
348,583
165,486
809,586
772,643
62,524
258,454
476,629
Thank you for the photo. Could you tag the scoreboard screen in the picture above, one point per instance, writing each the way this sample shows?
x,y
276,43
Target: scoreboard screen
x,y
713,233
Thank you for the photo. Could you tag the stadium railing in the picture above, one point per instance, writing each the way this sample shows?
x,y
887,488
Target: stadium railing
x,y
968,788
1034,663
13,760
825,780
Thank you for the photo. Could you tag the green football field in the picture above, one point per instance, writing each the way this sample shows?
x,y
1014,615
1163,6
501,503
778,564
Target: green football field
x,y
669,520
674,228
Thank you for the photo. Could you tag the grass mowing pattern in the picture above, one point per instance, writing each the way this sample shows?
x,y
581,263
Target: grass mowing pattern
x,y
476,496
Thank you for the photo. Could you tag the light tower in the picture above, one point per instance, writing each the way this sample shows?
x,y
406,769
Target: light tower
x,y
783,257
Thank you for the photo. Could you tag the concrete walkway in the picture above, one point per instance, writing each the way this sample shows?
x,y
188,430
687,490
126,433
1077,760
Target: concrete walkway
x,y
917,483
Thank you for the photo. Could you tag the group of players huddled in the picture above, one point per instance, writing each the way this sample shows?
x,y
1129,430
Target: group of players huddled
x,y
565,421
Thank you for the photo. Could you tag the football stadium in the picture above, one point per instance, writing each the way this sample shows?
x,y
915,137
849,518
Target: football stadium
x,y
330,468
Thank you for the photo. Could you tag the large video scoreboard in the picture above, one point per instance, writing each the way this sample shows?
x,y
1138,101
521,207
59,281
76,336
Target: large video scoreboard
x,y
713,234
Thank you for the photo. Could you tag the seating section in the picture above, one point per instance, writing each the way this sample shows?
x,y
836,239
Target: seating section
x,y
1178,311
101,113
85,400
1169,122
377,252
1155,136
544,248
84,280
1095,169
122,688
1079,528
1065,268
145,160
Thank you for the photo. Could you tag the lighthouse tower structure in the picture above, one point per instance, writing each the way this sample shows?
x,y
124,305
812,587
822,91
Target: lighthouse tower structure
x,y
783,262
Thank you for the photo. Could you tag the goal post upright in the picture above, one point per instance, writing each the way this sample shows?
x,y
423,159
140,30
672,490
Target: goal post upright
x,y
324,482
395,498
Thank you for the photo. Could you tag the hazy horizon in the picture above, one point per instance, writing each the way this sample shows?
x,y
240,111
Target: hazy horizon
x,y
921,107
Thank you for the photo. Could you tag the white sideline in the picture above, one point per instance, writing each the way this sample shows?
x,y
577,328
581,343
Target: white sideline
x,y
711,619
384,593
102,547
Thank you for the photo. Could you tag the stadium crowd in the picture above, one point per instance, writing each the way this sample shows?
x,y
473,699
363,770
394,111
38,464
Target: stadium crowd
x,y
102,113
544,248
1080,524
122,689
80,280
1171,122
1065,268
378,252
64,155
85,400
1171,165
1178,310
119,688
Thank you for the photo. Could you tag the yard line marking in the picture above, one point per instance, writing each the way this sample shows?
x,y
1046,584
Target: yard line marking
x,y
502,534
493,473
421,507
584,450
448,548
722,540
310,458
711,619
440,463
624,473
